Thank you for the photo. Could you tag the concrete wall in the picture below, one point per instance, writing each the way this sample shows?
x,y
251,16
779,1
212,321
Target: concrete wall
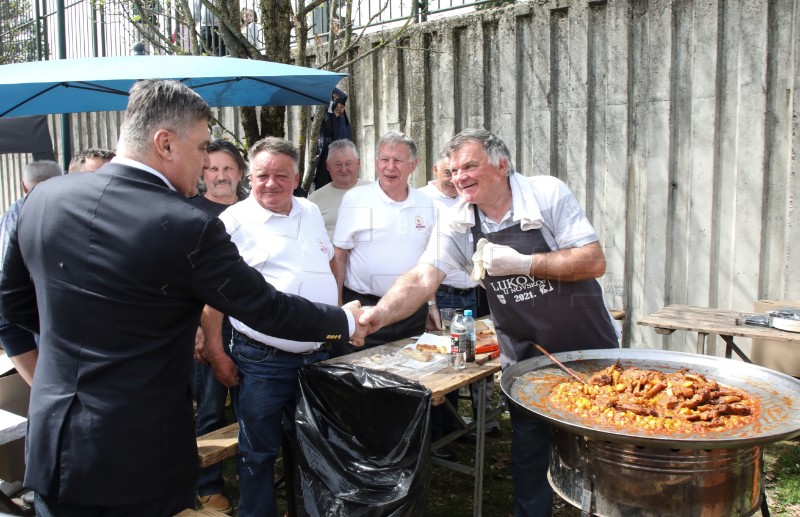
x,y
676,124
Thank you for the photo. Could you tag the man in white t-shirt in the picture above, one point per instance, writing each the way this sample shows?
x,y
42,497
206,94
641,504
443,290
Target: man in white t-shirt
x,y
381,232
284,238
343,164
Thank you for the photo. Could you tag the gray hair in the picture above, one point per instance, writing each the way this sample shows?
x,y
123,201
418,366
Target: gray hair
x,y
494,147
154,105
275,145
341,145
393,138
37,172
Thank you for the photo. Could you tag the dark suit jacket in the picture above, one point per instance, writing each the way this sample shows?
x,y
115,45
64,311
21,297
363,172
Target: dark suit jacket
x,y
112,269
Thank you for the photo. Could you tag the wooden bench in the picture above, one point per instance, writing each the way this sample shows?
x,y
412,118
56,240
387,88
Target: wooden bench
x,y
217,446
201,513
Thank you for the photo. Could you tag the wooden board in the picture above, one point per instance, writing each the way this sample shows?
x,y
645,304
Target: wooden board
x,y
200,513
12,426
711,321
218,445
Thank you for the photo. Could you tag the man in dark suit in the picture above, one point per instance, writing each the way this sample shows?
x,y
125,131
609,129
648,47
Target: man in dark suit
x,y
113,269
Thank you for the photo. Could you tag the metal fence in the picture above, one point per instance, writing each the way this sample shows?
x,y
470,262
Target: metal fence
x,y
35,30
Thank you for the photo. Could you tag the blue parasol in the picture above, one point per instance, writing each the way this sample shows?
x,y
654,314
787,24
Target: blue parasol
x,y
102,84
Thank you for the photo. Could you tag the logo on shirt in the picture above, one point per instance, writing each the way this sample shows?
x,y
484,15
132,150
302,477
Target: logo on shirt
x,y
331,337
322,247
419,223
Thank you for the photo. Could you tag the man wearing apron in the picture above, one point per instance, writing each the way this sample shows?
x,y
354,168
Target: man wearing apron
x,y
538,257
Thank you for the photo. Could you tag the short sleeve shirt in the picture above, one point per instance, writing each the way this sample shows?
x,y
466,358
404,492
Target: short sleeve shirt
x,y
563,224
385,238
292,252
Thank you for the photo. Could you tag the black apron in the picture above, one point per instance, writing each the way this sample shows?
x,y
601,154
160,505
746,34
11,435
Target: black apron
x,y
559,315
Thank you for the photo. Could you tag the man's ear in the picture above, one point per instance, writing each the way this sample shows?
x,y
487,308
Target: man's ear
x,y
503,166
163,142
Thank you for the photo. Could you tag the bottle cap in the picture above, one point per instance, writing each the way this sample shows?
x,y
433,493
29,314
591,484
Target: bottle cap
x,y
468,312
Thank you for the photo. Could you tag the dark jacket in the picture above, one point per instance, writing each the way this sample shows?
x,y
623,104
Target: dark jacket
x,y
113,269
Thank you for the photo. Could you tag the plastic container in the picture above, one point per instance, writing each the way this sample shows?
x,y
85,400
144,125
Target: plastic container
x,y
469,347
458,341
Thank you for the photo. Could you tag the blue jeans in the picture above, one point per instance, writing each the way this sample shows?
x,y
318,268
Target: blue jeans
x,y
268,391
211,396
530,460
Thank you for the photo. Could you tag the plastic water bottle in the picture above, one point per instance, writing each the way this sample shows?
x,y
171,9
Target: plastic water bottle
x,y
469,323
458,341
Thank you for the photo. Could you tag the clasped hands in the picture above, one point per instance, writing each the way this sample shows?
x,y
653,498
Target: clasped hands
x,y
368,320
498,260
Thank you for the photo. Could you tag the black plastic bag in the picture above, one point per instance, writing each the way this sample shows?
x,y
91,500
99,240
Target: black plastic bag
x,y
363,443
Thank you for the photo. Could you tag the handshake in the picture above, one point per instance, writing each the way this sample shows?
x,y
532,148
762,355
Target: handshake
x,y
367,320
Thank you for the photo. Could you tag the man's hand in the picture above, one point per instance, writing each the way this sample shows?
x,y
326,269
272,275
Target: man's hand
x,y
434,320
499,260
225,370
199,346
357,339
374,318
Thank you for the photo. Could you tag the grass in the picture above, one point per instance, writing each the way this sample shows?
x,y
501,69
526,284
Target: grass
x,y
451,492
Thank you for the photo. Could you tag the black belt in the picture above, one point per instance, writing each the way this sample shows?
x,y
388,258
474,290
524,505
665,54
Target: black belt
x,y
324,347
452,290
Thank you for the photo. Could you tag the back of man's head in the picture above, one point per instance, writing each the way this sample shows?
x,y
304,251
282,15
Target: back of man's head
x,y
86,160
39,171
155,105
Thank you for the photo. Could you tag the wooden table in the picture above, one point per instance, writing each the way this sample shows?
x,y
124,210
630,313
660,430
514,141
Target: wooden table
x,y
12,426
705,321
441,383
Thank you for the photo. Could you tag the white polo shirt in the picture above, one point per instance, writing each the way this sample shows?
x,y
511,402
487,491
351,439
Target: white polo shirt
x,y
458,278
385,237
292,252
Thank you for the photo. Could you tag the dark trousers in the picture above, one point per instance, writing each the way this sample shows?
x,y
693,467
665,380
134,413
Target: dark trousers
x,y
414,325
167,507
530,460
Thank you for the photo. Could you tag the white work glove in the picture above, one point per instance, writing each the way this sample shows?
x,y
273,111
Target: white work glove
x,y
499,260
477,260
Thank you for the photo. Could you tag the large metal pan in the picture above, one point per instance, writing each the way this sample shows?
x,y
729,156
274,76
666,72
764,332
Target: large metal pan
x,y
528,384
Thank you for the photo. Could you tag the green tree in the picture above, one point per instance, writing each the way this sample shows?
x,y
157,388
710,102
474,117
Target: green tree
x,y
169,27
17,32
